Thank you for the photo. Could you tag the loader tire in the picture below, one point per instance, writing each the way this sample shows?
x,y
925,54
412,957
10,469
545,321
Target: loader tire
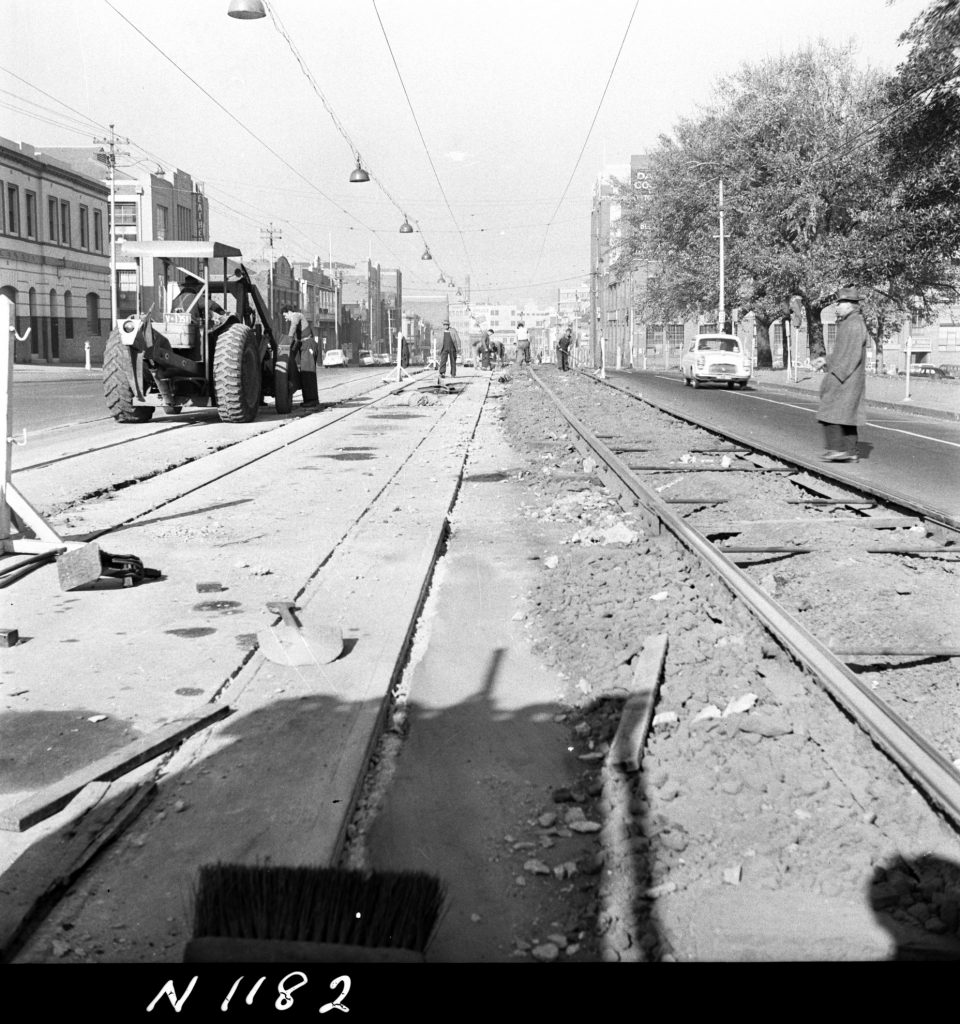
x,y
116,385
236,375
282,393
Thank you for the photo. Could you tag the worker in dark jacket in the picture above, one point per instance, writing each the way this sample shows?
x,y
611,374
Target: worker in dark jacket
x,y
563,348
449,348
841,391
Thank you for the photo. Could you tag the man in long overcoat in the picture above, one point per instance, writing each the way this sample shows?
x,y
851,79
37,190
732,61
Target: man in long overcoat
x,y
844,380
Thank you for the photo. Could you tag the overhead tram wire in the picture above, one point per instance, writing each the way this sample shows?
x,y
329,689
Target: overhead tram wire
x,y
237,120
278,25
616,60
420,133
253,134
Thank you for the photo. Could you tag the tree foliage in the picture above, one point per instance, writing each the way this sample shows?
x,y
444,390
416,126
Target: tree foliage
x,y
813,199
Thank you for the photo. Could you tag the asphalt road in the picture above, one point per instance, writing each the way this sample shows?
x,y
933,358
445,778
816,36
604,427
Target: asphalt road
x,y
58,399
916,456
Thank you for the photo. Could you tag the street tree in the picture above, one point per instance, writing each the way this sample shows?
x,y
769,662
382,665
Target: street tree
x,y
807,193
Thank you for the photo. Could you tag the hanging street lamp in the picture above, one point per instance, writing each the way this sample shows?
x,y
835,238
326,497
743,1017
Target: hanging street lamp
x,y
405,227
246,10
426,255
359,174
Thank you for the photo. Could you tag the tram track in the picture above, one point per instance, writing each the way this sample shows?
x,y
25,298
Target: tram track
x,y
931,770
344,565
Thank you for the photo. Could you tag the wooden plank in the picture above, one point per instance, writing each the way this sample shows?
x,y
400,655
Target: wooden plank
x,y
637,712
46,869
47,801
852,653
932,550
681,468
877,523
831,501
764,551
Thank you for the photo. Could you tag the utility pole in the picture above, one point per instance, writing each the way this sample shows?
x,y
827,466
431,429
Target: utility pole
x,y
270,233
721,321
112,142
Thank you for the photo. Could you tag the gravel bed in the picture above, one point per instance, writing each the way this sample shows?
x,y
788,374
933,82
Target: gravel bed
x,y
751,776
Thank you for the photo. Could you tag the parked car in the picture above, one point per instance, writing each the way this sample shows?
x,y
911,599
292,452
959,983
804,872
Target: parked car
x,y
366,357
952,369
334,357
715,359
381,359
929,372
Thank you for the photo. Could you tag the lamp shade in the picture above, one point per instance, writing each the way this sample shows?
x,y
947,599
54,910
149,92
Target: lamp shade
x,y
246,10
359,174
426,255
405,228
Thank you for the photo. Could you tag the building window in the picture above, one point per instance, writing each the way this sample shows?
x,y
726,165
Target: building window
x,y
84,228
97,231
53,211
68,314
93,313
13,210
184,226
949,337
160,228
64,223
654,337
31,200
126,214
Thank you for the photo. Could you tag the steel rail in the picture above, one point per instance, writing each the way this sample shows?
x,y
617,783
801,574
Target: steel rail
x,y
928,769
888,497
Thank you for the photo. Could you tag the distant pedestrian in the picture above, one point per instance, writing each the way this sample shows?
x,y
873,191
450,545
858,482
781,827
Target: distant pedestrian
x,y
523,344
486,349
449,349
844,380
563,348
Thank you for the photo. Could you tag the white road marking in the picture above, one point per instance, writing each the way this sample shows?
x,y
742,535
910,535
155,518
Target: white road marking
x,y
868,423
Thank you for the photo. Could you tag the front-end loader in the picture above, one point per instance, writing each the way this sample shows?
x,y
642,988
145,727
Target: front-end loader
x,y
214,344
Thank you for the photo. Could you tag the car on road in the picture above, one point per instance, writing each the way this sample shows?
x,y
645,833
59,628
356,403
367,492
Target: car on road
x,y
334,357
366,357
381,359
928,372
715,359
952,369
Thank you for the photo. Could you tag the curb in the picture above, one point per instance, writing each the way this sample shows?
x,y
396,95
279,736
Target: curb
x,y
913,410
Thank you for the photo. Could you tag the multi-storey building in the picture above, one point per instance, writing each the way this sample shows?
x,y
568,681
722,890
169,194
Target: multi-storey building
x,y
54,259
619,323
318,301
361,319
149,207
391,309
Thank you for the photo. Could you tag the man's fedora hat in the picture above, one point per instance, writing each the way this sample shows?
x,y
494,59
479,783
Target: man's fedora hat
x,y
848,295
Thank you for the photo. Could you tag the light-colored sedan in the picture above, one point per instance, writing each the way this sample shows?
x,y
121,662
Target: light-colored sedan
x,y
715,359
366,357
334,357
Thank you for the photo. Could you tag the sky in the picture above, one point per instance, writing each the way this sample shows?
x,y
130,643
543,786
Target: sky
x,y
483,122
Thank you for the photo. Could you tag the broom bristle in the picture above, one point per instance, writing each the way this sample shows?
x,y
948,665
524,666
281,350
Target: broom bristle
x,y
391,909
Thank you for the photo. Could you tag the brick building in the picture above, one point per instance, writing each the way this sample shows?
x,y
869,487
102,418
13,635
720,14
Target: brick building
x,y
54,258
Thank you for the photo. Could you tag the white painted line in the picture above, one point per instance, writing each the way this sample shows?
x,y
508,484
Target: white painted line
x,y
868,423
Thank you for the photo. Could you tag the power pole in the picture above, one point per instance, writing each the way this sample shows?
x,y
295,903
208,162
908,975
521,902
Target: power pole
x,y
112,142
269,233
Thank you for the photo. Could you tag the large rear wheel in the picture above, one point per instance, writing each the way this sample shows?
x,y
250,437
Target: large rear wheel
x,y
236,375
282,387
116,384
